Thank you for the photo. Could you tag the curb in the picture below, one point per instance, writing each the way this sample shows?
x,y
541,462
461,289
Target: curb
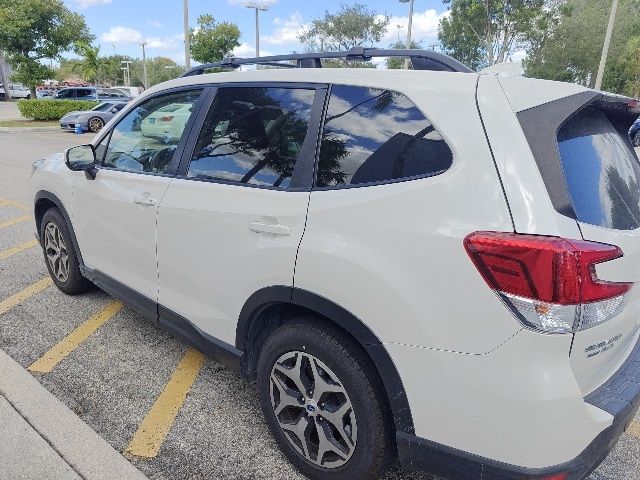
x,y
28,129
78,445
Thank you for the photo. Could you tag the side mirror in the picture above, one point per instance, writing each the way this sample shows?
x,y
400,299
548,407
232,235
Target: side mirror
x,y
82,158
114,110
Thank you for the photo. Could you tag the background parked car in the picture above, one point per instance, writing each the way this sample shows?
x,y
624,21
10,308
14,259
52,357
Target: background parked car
x,y
91,93
132,92
16,90
634,133
92,120
168,122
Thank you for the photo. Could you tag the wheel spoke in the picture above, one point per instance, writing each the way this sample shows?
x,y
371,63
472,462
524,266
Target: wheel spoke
x,y
321,386
287,396
294,373
299,429
56,252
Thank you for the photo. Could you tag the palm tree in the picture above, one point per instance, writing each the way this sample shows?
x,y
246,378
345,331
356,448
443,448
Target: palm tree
x,y
91,64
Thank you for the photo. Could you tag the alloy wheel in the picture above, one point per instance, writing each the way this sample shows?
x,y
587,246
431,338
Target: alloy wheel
x,y
95,124
55,249
313,409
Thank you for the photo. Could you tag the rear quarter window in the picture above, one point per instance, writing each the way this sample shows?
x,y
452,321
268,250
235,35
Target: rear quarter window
x,y
601,171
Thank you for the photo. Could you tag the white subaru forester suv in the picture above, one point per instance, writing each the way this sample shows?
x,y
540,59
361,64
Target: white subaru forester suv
x,y
431,265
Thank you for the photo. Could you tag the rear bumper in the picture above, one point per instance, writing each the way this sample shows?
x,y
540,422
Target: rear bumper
x,y
619,396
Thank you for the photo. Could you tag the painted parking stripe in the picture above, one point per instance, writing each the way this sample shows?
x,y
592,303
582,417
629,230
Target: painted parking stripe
x,y
156,425
68,344
15,220
22,295
634,429
17,249
14,204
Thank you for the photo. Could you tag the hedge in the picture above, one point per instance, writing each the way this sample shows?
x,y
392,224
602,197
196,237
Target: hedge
x,y
52,109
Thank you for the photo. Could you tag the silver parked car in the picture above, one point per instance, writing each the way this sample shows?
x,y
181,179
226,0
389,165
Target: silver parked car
x,y
91,120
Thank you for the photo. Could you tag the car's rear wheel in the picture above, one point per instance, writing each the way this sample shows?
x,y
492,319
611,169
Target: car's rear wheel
x,y
60,255
636,139
324,402
95,124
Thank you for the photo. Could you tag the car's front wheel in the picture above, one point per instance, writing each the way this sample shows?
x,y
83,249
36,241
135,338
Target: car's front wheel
x,y
324,402
95,124
60,255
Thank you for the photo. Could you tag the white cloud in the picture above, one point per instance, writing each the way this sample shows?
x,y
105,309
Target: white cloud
x,y
425,25
90,3
266,3
125,35
287,30
155,23
246,50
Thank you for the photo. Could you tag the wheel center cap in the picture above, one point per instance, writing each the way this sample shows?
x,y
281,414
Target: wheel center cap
x,y
312,407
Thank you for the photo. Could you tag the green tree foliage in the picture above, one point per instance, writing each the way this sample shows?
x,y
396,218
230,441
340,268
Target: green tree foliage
x,y
570,49
91,65
35,30
481,33
156,71
352,26
212,41
394,63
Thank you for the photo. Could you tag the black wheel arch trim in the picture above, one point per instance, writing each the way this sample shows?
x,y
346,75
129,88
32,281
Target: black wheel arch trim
x,y
45,195
274,295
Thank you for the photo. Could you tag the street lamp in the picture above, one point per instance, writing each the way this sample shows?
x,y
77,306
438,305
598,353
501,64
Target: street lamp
x,y
406,60
187,39
258,8
607,42
399,27
144,66
127,79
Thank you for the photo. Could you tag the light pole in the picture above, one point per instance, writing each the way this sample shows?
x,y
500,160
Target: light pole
x,y
406,60
607,42
144,66
258,8
399,27
187,37
127,78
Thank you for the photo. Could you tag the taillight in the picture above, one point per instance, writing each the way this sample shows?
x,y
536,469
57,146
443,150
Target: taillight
x,y
166,118
549,283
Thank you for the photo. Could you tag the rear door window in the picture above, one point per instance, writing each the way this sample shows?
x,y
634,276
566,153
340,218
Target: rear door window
x,y
372,136
601,171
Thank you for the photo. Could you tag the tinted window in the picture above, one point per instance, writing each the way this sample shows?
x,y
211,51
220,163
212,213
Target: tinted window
x,y
85,93
146,138
253,135
373,135
601,172
66,93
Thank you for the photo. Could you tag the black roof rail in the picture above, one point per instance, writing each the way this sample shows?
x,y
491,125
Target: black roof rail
x,y
420,60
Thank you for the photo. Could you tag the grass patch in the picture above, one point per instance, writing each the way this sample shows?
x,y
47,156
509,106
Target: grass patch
x,y
28,123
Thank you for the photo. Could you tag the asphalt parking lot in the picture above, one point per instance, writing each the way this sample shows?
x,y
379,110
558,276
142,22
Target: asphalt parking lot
x,y
125,378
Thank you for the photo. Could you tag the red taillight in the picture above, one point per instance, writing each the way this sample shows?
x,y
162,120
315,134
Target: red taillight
x,y
167,118
560,476
549,269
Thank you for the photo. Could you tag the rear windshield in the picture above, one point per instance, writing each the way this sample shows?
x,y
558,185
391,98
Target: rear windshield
x,y
601,171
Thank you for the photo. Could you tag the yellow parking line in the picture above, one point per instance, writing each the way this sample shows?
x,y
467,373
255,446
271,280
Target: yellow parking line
x,y
634,429
22,295
14,204
63,348
15,220
18,248
156,425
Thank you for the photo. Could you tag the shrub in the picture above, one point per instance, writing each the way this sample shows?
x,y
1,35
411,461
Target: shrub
x,y
52,109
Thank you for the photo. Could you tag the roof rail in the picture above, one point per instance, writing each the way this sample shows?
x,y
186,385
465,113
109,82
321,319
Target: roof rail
x,y
420,60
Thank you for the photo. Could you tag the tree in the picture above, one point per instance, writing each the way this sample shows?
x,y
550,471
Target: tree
x,y
570,50
91,64
35,30
212,41
394,63
352,26
156,70
481,33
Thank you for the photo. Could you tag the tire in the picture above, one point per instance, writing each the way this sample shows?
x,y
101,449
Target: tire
x,y
636,139
28,97
95,124
355,390
60,255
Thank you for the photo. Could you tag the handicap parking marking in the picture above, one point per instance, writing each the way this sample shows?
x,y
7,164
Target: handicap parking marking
x,y
15,220
18,248
156,425
63,348
633,429
22,295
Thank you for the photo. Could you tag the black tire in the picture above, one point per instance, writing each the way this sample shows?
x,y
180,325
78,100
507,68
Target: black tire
x,y
95,124
74,283
374,447
28,97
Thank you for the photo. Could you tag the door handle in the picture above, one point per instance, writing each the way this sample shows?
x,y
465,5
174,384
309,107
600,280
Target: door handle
x,y
145,201
272,229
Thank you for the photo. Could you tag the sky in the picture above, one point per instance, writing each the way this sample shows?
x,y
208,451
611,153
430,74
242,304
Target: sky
x,y
127,23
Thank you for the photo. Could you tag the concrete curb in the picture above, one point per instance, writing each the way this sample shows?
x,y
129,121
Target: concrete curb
x,y
28,129
82,448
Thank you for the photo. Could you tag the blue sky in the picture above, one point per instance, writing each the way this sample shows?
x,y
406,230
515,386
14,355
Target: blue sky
x,y
126,23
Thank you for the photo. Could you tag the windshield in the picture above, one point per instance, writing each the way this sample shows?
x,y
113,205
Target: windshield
x,y
103,107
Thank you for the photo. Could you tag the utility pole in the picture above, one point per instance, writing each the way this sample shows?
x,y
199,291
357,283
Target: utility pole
x,y
4,77
607,42
187,37
406,60
144,66
258,8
